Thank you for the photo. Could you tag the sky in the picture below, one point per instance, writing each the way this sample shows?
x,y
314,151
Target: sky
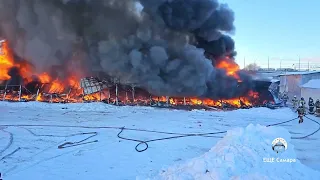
x,y
282,30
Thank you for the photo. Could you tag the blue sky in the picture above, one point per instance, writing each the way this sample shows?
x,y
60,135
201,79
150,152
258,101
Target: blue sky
x,y
280,29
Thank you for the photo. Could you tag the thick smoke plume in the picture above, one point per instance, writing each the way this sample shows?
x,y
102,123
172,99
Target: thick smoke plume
x,y
164,47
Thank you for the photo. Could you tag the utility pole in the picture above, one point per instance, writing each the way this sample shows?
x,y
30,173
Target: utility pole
x,y
308,65
280,64
244,62
268,64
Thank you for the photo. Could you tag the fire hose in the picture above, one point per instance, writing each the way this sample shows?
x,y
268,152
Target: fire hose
x,y
140,142
312,132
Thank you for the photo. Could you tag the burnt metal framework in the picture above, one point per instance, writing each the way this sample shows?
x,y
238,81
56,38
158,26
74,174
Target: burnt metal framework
x,y
15,92
106,90
92,85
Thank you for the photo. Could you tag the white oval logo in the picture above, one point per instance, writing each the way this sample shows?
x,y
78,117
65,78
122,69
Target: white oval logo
x,y
279,145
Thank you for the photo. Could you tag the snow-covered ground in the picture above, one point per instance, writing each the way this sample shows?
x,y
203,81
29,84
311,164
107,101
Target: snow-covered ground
x,y
31,156
238,156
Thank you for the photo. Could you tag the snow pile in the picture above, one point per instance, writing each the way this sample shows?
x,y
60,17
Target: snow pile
x,y
240,155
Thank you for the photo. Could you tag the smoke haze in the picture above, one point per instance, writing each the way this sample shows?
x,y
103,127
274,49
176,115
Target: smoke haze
x,y
163,48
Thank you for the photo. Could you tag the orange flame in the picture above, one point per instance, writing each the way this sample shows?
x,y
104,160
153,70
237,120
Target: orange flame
x,y
69,90
6,61
44,78
231,67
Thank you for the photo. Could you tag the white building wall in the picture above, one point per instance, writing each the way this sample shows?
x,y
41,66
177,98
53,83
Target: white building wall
x,y
291,83
310,92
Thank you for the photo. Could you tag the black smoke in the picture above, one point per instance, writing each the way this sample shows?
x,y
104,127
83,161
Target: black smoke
x,y
168,48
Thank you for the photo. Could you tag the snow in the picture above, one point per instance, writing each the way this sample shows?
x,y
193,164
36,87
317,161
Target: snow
x,y
24,154
240,154
313,83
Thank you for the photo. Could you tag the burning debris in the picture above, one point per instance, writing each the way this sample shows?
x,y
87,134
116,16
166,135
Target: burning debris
x,y
173,52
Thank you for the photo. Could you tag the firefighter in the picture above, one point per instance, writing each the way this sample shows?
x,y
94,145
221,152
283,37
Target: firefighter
x,y
311,106
301,112
317,104
303,102
295,102
285,98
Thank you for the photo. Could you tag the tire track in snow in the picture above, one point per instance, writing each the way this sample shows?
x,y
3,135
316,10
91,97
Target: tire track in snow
x,y
9,143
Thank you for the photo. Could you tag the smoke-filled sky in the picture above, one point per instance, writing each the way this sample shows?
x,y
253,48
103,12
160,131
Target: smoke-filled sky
x,y
170,48
281,29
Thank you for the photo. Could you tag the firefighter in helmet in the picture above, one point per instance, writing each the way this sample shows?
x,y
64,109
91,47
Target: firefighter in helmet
x,y
295,102
285,98
302,101
311,106
301,112
317,105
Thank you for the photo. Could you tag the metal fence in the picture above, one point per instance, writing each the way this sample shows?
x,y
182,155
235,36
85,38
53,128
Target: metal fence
x,y
272,63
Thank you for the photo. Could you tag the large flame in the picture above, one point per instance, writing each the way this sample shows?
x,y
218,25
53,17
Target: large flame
x,y
230,67
68,90
6,61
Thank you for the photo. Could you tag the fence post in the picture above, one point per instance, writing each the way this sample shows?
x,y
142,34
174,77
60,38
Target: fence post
x,y
20,91
116,94
133,93
5,93
109,95
37,95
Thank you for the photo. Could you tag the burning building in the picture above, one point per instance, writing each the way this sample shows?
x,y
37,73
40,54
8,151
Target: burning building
x,y
176,51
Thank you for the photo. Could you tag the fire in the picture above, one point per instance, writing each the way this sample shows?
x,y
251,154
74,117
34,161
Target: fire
x,y
25,70
44,78
67,89
56,87
231,68
6,61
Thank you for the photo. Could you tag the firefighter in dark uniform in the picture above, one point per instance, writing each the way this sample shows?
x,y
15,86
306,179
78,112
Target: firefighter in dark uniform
x,y
301,112
285,98
311,106
317,104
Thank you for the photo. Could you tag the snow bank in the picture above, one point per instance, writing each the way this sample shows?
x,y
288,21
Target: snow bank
x,y
240,155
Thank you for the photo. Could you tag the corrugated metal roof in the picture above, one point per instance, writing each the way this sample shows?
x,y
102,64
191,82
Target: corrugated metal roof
x,y
313,83
299,73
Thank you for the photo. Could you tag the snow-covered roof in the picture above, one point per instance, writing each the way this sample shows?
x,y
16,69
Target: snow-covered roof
x,y
298,73
274,80
313,83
